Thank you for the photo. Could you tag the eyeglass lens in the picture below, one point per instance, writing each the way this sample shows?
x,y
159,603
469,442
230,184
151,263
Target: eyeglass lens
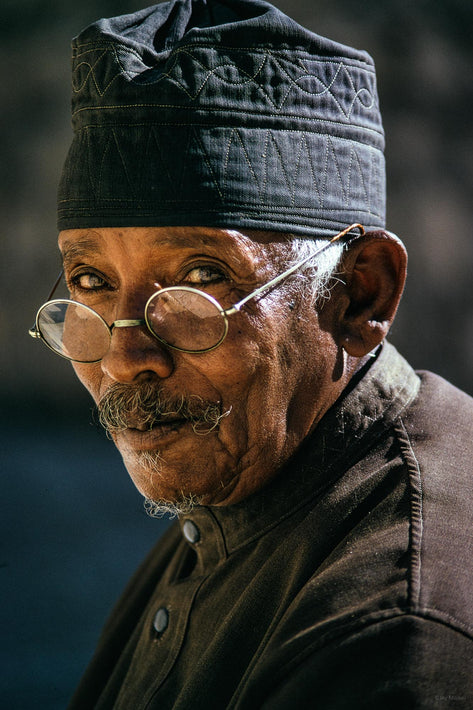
x,y
184,319
74,331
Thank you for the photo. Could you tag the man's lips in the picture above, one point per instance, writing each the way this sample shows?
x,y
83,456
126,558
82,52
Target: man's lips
x,y
143,437
163,423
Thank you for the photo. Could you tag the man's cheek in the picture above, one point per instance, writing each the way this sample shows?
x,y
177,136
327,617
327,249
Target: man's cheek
x,y
90,376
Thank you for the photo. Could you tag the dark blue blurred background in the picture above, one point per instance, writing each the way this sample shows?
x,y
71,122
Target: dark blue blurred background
x,y
72,530
72,525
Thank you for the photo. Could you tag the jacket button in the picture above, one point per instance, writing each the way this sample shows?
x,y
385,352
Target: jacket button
x,y
191,532
161,620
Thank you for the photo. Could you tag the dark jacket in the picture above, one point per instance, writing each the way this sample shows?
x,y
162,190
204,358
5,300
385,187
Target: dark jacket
x,y
346,583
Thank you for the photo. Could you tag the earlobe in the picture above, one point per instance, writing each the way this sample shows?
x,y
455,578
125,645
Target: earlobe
x,y
375,271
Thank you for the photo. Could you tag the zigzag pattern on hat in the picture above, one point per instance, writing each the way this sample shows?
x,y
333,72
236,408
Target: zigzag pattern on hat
x,y
346,177
221,112
329,89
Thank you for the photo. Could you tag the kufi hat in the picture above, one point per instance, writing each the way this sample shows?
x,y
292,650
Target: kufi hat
x,y
222,113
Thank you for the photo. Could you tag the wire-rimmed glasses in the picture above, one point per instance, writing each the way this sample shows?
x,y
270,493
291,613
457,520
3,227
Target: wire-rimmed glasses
x,y
181,317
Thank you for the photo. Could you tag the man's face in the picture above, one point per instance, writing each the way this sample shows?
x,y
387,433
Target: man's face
x,y
272,378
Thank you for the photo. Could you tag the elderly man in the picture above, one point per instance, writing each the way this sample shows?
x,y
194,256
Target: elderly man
x,y
221,217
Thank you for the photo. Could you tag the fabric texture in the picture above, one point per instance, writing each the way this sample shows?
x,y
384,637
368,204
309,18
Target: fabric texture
x,y
345,584
222,113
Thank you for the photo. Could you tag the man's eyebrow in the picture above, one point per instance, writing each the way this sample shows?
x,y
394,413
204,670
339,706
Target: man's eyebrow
x,y
72,250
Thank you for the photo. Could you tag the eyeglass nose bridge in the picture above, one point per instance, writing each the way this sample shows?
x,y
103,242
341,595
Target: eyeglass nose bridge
x,y
130,323
127,323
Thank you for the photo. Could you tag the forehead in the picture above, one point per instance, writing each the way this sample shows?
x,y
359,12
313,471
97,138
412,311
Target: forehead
x,y
222,243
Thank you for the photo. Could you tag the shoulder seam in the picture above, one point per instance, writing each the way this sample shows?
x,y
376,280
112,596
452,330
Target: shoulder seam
x,y
416,510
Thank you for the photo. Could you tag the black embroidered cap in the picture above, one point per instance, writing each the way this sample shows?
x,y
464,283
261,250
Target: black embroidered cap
x,y
222,113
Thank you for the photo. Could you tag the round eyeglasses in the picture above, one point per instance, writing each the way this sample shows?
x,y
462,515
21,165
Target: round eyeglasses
x,y
181,317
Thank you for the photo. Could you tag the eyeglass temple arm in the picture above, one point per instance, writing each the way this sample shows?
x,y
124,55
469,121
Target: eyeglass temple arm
x,y
236,307
33,331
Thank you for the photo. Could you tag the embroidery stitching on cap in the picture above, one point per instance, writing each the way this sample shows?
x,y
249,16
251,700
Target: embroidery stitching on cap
x,y
282,132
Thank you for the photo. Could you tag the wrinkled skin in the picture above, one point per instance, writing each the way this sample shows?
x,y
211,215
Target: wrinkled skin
x,y
281,366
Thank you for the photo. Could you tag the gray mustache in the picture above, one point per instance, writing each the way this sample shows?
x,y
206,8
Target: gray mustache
x,y
145,405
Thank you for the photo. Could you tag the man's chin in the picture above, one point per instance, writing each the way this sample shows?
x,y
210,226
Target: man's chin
x,y
154,479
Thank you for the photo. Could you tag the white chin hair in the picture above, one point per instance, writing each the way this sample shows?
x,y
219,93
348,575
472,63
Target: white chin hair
x,y
160,508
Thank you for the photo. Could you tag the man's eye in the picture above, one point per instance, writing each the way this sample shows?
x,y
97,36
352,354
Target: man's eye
x,y
87,281
204,275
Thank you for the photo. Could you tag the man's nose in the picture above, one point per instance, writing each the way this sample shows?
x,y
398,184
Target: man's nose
x,y
134,352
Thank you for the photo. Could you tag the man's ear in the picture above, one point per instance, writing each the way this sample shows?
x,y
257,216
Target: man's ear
x,y
375,269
